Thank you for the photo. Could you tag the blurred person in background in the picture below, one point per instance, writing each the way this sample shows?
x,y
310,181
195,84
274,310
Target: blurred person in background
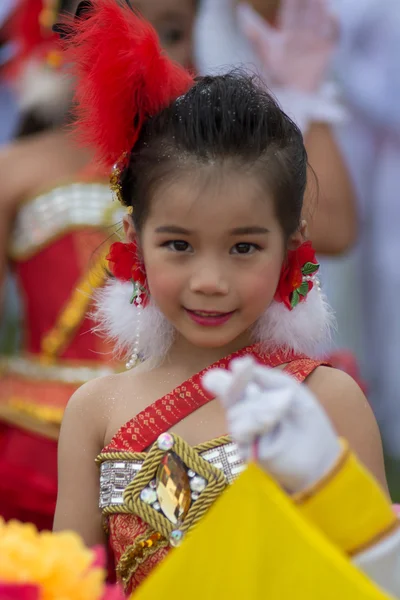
x,y
9,114
56,214
367,68
290,43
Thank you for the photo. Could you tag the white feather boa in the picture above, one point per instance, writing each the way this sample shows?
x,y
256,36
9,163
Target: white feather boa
x,y
301,330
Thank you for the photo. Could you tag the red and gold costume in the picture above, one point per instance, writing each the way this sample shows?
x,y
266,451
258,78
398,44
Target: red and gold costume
x,y
137,544
57,252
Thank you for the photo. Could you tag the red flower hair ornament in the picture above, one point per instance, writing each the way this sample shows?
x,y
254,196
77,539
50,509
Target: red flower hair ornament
x,y
125,265
298,276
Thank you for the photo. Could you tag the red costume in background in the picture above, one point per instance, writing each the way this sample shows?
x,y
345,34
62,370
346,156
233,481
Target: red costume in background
x,y
56,250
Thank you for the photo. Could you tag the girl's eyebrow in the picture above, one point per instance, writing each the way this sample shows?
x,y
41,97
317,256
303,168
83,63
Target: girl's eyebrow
x,y
249,230
173,229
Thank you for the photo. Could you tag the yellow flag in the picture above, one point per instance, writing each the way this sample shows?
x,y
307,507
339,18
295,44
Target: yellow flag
x,y
254,544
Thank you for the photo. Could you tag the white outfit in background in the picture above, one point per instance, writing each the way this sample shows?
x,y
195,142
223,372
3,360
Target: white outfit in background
x,y
368,69
221,44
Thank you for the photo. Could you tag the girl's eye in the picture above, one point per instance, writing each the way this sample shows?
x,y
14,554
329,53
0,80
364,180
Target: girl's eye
x,y
245,248
178,246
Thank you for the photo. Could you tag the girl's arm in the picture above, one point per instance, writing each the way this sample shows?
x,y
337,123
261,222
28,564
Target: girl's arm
x,y
78,476
351,416
330,206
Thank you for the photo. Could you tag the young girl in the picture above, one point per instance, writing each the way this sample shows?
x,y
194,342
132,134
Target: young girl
x,y
215,266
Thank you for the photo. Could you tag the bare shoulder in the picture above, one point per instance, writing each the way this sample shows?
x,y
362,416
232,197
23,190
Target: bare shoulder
x,y
107,403
351,415
24,165
342,399
88,407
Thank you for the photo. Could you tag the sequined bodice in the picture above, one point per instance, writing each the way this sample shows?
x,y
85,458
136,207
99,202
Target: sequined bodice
x,y
57,238
65,208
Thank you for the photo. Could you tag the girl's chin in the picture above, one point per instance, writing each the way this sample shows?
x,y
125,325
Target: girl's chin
x,y
215,340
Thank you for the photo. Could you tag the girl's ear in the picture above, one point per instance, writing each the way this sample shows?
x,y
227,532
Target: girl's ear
x,y
299,237
129,229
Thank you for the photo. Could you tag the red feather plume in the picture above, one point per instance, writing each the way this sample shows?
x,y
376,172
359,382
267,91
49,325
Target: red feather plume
x,y
123,77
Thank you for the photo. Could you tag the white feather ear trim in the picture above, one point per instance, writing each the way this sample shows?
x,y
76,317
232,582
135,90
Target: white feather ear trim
x,y
120,321
302,330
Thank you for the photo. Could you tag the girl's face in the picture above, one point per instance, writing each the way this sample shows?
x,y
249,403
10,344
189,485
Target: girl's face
x,y
173,20
213,251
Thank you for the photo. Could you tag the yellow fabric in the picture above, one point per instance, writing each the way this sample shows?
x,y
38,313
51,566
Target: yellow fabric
x,y
255,544
349,506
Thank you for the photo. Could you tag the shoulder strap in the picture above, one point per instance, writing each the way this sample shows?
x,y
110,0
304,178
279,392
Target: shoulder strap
x,y
301,368
143,430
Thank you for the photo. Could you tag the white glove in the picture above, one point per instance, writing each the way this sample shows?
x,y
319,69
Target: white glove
x,y
295,58
297,52
296,443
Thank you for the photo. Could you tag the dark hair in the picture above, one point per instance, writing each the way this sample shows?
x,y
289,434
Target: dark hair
x,y
228,117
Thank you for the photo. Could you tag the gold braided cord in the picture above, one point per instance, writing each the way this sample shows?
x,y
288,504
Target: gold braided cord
x,y
120,455
157,534
73,313
216,484
141,456
116,510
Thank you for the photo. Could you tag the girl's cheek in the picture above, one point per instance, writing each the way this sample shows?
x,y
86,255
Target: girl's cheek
x,y
262,285
163,282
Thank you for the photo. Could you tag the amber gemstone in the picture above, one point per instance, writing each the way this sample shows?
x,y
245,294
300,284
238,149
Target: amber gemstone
x,y
173,488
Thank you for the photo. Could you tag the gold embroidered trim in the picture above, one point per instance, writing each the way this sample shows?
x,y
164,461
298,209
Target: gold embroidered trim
x,y
27,423
46,414
135,555
73,313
